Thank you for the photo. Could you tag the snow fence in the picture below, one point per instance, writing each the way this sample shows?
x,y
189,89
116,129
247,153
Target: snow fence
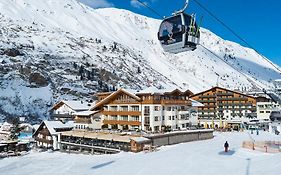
x,y
264,146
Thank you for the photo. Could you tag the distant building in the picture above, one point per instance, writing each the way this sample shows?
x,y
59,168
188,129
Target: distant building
x,y
87,120
150,109
277,84
275,125
266,103
47,134
5,131
223,106
65,110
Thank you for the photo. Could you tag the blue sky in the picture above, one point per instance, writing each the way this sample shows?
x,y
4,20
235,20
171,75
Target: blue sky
x,y
257,21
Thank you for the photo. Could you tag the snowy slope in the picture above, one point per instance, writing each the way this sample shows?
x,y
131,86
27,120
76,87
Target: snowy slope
x,y
200,158
114,47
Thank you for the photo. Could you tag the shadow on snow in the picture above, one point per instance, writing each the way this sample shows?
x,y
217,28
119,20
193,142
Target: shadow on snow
x,y
102,165
228,153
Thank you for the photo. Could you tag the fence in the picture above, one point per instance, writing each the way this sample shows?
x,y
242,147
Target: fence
x,y
264,146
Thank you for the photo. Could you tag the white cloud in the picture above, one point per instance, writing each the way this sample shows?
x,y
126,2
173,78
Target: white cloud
x,y
137,4
97,3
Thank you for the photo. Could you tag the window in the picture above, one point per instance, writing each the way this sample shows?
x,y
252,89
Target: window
x,y
135,118
113,108
146,120
156,118
124,117
123,108
267,111
156,128
146,110
170,118
163,117
135,108
261,111
156,108
113,117
173,117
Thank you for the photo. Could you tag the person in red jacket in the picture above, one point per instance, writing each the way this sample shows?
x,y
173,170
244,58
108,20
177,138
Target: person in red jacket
x,y
226,147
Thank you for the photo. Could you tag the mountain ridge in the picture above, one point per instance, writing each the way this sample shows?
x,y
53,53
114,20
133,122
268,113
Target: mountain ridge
x,y
75,51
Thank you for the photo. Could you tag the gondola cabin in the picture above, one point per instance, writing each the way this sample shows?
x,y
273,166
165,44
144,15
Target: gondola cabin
x,y
179,33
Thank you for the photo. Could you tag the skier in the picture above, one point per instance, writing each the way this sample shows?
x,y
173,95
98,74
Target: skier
x,y
226,147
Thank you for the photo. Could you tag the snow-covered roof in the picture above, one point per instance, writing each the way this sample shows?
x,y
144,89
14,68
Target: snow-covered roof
x,y
114,94
85,113
195,103
73,104
53,125
25,125
7,124
77,105
140,139
35,126
151,90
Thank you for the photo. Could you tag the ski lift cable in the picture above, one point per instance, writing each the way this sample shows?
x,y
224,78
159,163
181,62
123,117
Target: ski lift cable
x,y
154,11
234,33
150,8
229,65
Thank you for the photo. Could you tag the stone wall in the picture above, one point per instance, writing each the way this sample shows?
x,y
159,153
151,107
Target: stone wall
x,y
180,137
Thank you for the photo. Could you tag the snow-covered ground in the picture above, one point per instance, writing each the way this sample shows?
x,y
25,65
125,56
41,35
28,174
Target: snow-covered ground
x,y
200,158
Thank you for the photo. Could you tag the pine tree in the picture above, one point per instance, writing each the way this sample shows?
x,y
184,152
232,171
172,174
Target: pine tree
x,y
15,129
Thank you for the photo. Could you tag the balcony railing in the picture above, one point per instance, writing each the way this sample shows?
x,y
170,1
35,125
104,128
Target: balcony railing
x,y
66,116
121,122
233,99
44,140
83,120
121,112
176,102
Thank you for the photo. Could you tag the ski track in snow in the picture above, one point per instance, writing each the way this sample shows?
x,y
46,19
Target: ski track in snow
x,y
200,157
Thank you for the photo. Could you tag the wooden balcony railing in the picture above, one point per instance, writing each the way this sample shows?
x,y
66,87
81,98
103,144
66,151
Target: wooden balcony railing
x,y
44,140
136,113
121,122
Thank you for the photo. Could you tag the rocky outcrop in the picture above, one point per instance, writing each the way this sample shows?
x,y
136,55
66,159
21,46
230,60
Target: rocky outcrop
x,y
13,52
38,80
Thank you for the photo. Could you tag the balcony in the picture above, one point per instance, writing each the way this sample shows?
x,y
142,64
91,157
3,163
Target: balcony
x,y
176,102
50,142
232,99
225,93
207,101
121,113
121,122
62,116
208,96
83,120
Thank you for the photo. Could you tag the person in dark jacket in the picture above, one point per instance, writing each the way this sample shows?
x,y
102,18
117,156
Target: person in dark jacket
x,y
226,146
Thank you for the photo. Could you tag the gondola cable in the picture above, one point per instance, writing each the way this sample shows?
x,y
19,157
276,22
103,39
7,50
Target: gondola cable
x,y
234,33
253,82
150,8
222,23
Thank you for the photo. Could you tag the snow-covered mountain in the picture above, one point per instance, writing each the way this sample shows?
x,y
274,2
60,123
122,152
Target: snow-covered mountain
x,y
62,49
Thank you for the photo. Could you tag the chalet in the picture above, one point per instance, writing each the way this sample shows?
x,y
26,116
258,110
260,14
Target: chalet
x,y
5,131
65,110
150,109
224,107
266,103
47,134
87,120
